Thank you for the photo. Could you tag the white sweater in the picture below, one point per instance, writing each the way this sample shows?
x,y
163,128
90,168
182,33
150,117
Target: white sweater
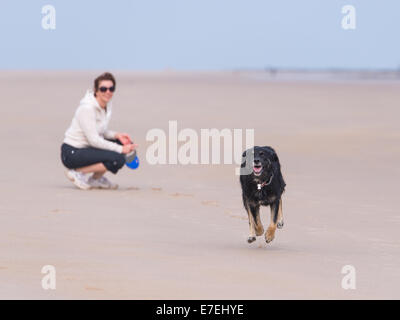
x,y
89,126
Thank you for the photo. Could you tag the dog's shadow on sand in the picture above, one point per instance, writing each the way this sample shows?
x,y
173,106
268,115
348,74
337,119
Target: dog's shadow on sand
x,y
260,246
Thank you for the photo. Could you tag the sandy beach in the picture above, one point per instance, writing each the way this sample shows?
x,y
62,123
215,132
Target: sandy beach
x,y
179,231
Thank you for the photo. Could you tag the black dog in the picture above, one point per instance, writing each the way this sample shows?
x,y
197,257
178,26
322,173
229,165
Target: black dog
x,y
262,185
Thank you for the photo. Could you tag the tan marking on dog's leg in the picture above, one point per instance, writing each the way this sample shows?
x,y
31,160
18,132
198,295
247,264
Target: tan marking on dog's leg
x,y
270,234
280,216
259,227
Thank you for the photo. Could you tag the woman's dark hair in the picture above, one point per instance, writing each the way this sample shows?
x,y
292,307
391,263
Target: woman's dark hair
x,y
104,76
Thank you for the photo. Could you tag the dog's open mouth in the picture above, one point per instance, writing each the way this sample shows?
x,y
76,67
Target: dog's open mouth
x,y
257,169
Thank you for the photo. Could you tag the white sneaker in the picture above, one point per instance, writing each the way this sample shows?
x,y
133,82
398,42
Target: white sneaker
x,y
102,183
78,178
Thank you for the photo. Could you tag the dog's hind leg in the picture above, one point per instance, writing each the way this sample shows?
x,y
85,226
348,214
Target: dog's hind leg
x,y
255,225
270,234
280,215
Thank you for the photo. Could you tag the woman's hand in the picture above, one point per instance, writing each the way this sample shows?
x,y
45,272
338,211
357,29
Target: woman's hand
x,y
129,148
124,138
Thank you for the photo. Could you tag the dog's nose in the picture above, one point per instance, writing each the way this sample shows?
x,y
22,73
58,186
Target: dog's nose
x,y
257,161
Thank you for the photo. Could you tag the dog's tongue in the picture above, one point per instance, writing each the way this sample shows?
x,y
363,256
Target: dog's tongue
x,y
257,169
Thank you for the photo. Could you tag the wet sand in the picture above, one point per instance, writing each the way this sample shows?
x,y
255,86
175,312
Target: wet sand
x,y
179,231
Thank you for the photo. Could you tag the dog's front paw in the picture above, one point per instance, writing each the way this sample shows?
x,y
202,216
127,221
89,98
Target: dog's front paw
x,y
280,224
251,239
269,235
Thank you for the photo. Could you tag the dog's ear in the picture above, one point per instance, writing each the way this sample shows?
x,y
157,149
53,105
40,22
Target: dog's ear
x,y
273,155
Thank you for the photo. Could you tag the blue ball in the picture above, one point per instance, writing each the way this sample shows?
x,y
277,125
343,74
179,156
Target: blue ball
x,y
134,164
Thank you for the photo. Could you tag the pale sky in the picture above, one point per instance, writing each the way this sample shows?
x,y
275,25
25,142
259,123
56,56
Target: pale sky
x,y
199,34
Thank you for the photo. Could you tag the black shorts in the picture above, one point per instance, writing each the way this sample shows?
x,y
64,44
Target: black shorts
x,y
74,158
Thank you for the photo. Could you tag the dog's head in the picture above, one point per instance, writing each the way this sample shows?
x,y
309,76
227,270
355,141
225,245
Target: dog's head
x,y
262,160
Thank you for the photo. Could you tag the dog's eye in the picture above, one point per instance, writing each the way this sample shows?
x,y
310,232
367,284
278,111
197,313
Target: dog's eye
x,y
244,154
261,153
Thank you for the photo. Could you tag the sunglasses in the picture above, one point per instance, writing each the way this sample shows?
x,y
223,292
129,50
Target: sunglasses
x,y
104,89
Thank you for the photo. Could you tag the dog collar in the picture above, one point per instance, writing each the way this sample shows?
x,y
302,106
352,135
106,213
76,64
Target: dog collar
x,y
265,183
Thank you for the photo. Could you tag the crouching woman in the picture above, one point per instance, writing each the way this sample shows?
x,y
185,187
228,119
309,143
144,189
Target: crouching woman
x,y
89,149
